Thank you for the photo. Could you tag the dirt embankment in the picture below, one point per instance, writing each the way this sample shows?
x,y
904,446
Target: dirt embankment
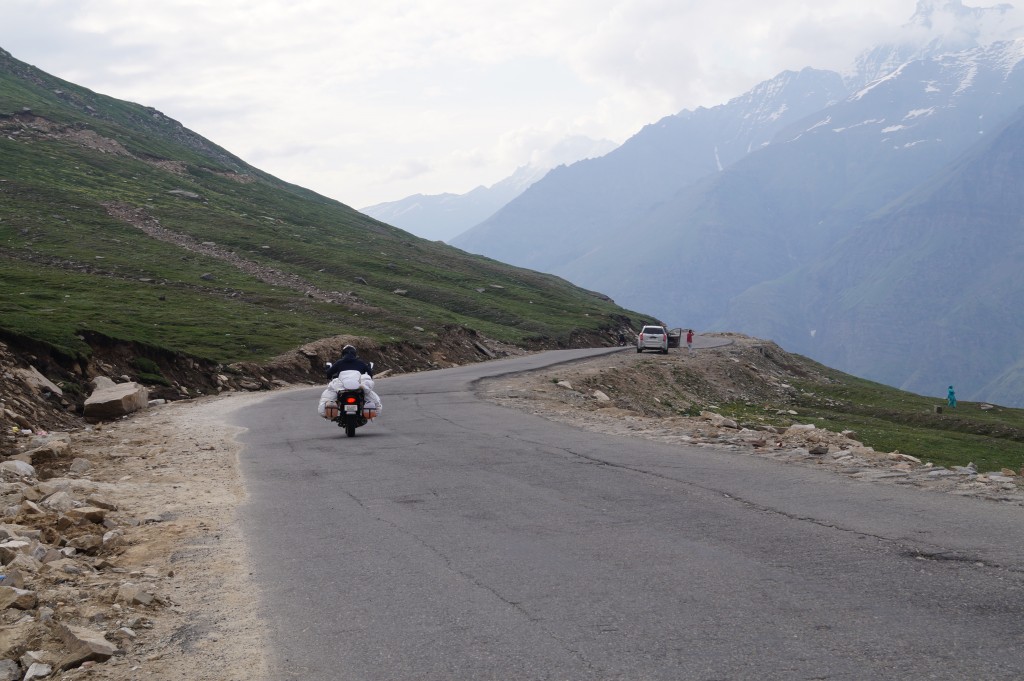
x,y
674,399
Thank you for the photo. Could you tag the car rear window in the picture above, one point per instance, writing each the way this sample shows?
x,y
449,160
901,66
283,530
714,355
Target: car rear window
x,y
653,329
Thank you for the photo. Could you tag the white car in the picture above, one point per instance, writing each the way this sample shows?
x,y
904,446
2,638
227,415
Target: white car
x,y
652,338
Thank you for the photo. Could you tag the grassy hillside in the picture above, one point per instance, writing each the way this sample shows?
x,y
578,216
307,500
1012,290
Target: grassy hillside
x,y
117,222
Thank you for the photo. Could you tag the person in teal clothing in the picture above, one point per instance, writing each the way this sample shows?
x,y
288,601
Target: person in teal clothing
x,y
951,398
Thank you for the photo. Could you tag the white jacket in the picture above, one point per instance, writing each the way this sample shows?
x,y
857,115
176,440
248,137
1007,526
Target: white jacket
x,y
350,380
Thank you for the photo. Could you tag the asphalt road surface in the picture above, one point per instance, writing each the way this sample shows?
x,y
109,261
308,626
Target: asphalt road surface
x,y
457,540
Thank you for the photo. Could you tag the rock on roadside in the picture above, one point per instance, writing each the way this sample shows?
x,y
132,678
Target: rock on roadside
x,y
112,400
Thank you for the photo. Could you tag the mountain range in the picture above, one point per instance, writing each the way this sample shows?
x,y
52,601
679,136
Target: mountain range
x,y
868,219
444,216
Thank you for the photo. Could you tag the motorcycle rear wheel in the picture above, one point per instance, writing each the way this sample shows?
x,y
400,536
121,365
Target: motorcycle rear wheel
x,y
350,428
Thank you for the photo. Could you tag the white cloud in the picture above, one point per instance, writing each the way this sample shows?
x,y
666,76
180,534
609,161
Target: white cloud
x,y
368,102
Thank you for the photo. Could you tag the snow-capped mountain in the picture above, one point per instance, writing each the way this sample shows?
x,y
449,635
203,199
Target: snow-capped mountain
x,y
722,217
937,27
589,203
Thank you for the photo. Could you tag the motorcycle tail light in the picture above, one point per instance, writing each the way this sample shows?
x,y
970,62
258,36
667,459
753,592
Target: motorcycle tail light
x,y
350,400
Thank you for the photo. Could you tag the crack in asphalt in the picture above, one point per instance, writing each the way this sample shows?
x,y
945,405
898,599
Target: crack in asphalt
x,y
449,565
907,550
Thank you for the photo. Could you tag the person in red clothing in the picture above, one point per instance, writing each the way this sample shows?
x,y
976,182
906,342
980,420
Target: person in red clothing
x,y
689,340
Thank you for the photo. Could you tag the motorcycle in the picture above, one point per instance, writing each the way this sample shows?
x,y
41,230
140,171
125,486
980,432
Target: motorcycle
x,y
349,409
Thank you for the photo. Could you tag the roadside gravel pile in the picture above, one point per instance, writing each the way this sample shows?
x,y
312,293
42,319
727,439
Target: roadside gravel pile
x,y
120,553
658,399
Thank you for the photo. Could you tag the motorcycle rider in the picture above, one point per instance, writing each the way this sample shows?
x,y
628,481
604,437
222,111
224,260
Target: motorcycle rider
x,y
363,374
349,362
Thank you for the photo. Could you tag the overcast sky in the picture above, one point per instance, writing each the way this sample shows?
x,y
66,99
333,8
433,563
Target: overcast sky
x,y
373,101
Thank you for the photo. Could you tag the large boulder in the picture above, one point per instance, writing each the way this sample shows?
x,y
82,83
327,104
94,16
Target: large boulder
x,y
111,400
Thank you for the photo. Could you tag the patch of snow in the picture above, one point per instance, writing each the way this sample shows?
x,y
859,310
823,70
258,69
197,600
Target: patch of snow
x,y
970,73
778,114
892,76
917,113
1013,54
820,123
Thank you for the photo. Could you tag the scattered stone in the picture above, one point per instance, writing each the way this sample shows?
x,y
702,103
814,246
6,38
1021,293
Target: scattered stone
x,y
133,594
185,194
12,548
13,578
898,456
84,645
113,538
51,451
93,514
9,670
30,508
100,502
484,350
37,382
18,468
38,670
80,466
86,543
60,501
20,599
718,420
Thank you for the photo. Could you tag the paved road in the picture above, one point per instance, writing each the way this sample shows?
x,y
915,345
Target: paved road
x,y
459,540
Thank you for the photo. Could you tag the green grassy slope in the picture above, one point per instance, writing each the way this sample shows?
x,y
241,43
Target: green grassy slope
x,y
73,163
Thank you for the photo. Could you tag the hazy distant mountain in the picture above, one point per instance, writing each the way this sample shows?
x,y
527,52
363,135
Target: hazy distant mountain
x,y
576,208
687,221
443,216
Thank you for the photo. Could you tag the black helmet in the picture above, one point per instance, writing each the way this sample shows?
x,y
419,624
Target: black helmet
x,y
348,350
